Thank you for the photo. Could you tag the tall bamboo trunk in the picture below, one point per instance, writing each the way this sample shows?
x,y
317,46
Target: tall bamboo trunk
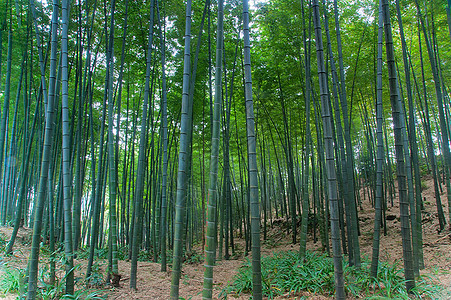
x,y
399,150
138,199
210,249
252,158
45,162
329,151
380,151
183,161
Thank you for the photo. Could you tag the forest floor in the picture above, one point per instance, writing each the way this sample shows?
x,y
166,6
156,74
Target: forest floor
x,y
153,284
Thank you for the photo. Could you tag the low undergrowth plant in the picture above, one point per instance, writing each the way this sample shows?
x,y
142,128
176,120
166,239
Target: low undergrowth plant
x,y
284,273
3,243
122,254
53,292
11,280
96,278
57,291
192,257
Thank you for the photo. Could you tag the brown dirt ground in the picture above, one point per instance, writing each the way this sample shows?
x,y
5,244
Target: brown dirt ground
x,y
153,284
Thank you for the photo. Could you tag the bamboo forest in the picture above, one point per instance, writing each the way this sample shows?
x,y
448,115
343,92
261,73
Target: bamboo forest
x,y
263,149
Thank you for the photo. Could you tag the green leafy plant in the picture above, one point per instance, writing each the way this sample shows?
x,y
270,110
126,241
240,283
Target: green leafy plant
x,y
193,258
145,256
96,277
122,253
271,242
87,295
284,273
424,186
82,253
102,253
3,243
425,286
11,280
186,279
51,292
57,291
